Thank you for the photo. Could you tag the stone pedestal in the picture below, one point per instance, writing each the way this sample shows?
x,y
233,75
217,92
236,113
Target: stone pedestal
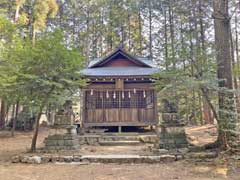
x,y
171,133
62,139
62,136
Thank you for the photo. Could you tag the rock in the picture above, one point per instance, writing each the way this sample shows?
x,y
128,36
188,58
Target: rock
x,y
30,159
167,158
68,158
161,151
54,159
46,159
236,157
77,158
202,155
150,160
196,148
60,159
24,159
192,138
15,159
179,157
35,160
183,150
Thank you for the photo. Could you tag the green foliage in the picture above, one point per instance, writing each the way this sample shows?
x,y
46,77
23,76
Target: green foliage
x,y
185,89
49,64
29,72
7,30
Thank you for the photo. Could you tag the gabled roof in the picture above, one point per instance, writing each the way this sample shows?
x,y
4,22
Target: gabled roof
x,y
144,66
139,61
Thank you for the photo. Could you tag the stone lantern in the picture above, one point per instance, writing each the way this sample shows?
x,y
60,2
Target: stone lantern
x,y
172,132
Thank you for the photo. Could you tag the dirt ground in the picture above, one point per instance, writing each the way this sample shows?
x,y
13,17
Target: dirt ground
x,y
181,170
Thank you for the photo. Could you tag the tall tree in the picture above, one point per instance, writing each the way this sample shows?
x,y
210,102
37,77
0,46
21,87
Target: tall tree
x,y
222,28
19,3
42,10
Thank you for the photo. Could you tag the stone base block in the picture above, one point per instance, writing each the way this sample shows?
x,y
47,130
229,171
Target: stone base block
x,y
172,138
58,142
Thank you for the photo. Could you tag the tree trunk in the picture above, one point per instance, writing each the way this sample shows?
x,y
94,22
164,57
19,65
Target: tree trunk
x,y
166,40
15,119
2,114
17,13
13,111
150,28
237,61
207,99
224,70
33,35
206,110
170,12
36,129
140,31
7,114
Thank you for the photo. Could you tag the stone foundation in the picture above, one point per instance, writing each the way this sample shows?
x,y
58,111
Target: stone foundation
x,y
171,133
172,138
62,139
119,159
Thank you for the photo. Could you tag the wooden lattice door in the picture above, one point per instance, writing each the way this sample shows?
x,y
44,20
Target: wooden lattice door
x,y
119,106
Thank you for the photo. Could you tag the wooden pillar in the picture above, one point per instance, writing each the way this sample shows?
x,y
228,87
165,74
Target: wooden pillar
x,y
155,106
119,129
83,108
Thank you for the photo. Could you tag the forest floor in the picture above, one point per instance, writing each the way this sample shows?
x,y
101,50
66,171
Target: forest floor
x,y
218,169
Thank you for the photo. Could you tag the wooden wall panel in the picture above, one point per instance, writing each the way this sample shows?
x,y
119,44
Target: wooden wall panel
x,y
120,115
119,84
112,115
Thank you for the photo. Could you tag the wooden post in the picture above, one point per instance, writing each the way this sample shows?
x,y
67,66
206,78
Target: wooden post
x,y
119,129
156,106
83,108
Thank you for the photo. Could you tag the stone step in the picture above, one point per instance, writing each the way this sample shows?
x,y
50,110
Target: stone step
x,y
120,138
202,155
121,159
119,143
92,139
86,159
122,134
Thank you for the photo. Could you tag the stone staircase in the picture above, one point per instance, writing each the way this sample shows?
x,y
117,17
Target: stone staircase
x,y
117,139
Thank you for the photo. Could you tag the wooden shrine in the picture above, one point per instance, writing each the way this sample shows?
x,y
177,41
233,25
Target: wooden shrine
x,y
120,91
